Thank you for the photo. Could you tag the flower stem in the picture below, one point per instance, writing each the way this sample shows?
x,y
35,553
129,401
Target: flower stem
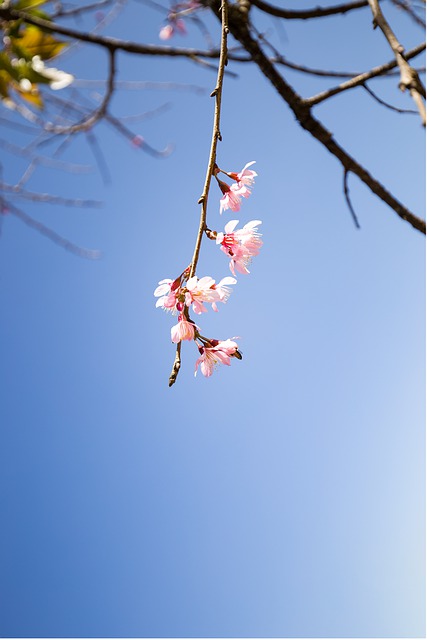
x,y
216,135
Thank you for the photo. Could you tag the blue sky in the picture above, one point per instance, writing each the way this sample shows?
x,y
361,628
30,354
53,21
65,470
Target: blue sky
x,y
285,495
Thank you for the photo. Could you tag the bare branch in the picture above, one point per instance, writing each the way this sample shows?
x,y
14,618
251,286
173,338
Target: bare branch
x,y
386,104
305,14
362,78
45,160
409,79
97,115
302,112
347,197
176,365
90,254
137,140
405,6
112,44
48,198
66,13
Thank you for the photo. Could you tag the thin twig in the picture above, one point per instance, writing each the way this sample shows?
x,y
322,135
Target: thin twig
x,y
386,104
405,6
48,198
216,135
91,254
347,197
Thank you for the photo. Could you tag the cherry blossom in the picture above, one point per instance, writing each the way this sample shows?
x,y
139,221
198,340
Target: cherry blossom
x,y
240,245
246,176
223,291
175,25
183,330
171,294
219,352
205,290
199,291
232,196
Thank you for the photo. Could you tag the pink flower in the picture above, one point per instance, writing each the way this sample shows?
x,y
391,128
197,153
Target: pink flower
x,y
166,32
170,292
205,290
184,330
240,245
223,291
199,291
232,195
219,352
246,176
175,25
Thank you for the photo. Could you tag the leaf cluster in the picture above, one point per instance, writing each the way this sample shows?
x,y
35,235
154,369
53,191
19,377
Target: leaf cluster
x,y
21,44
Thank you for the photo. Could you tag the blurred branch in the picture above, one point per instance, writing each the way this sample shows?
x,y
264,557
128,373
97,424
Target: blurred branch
x,y
46,161
17,190
91,254
65,13
406,6
95,116
112,44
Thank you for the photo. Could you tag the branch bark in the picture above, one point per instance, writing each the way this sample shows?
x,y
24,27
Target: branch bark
x,y
409,78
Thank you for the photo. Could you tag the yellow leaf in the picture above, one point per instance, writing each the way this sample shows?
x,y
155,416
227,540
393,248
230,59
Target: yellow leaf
x,y
22,5
33,96
35,42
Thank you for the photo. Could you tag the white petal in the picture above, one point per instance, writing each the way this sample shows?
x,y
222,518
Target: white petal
x,y
230,226
252,224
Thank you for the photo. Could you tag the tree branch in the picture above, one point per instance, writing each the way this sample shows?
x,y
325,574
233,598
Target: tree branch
x,y
409,79
386,104
91,254
301,109
112,44
305,14
362,78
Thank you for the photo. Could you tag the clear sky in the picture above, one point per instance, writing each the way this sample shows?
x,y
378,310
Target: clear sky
x,y
285,495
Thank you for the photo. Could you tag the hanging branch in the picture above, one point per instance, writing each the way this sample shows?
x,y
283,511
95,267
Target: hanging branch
x,y
216,135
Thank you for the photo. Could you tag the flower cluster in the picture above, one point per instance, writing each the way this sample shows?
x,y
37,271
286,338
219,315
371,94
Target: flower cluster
x,y
176,295
189,293
175,22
